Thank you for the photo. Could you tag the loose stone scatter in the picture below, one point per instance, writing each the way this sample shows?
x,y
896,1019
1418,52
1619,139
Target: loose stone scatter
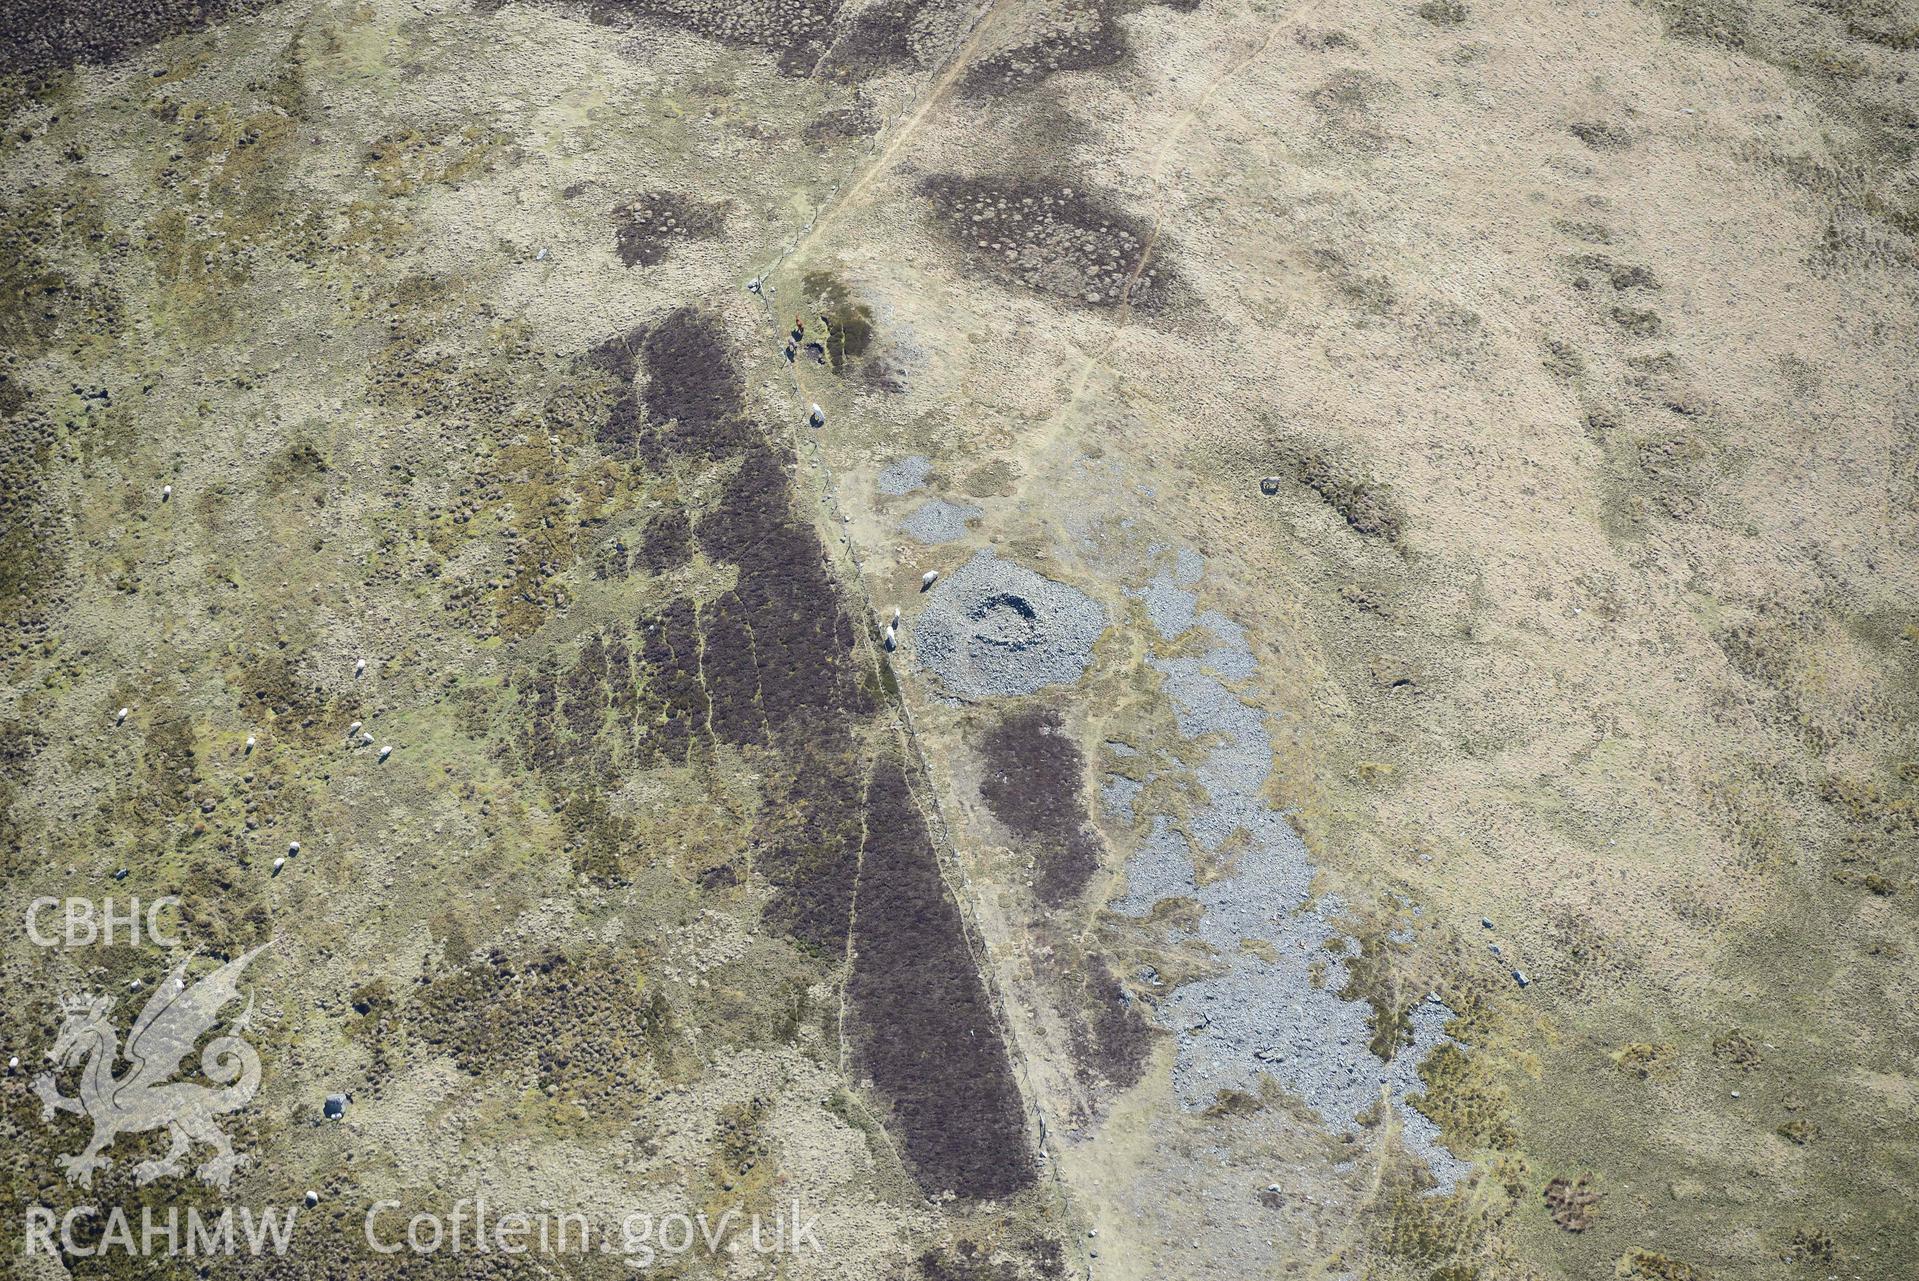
x,y
904,476
1263,1014
995,628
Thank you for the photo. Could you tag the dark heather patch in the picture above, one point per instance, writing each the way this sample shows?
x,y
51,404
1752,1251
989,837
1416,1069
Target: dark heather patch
x,y
1051,237
1047,1256
840,125
800,640
668,542
766,666
810,37
539,701
797,32
1601,135
1032,785
769,668
45,35
625,434
808,842
1110,1039
924,1030
966,1261
1367,507
1634,277
880,36
733,674
694,393
627,701
671,703
616,357
1087,37
589,690
646,226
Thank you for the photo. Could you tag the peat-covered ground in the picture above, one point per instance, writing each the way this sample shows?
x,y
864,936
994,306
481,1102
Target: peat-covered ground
x,y
770,667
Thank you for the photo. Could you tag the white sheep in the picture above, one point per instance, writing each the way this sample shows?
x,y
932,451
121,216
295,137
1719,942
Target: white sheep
x,y
359,668
386,751
927,579
120,717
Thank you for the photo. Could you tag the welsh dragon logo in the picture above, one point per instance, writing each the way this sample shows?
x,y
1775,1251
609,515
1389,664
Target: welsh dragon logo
x,y
144,1097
